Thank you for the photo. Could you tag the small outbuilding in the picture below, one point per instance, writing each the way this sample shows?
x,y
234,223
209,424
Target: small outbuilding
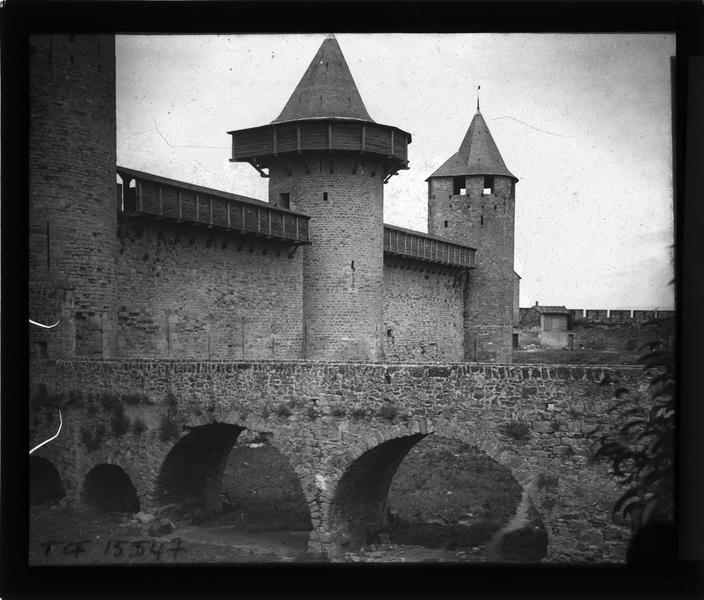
x,y
549,324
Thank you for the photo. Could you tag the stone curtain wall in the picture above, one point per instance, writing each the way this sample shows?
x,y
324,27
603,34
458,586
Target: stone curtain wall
x,y
185,292
326,418
423,309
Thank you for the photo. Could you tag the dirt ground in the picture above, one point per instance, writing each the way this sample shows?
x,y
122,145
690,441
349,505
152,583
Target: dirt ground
x,y
447,501
61,537
575,357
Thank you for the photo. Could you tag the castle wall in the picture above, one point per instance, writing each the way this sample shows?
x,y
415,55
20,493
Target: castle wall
x,y
343,268
187,292
422,312
72,211
484,222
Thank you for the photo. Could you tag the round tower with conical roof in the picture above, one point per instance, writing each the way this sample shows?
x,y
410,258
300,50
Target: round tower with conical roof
x,y
471,201
326,157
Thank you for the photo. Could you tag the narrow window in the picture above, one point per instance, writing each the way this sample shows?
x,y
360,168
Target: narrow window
x,y
285,200
325,196
481,220
445,223
488,185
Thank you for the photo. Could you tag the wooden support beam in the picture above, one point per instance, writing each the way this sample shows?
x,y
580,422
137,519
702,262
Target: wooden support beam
x,y
329,136
276,149
180,206
197,209
210,206
252,161
233,146
298,139
364,138
229,224
139,195
161,203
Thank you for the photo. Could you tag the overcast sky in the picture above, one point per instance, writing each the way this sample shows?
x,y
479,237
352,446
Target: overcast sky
x,y
584,122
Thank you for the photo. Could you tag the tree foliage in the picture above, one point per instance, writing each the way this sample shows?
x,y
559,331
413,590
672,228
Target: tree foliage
x,y
640,449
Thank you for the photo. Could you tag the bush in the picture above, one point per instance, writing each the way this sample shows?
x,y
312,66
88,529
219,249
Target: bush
x,y
283,411
168,429
119,422
138,426
109,401
641,446
74,397
518,430
388,411
93,440
359,412
339,410
171,404
312,413
547,482
133,399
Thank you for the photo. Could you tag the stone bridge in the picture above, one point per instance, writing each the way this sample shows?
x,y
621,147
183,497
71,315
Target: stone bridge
x,y
344,429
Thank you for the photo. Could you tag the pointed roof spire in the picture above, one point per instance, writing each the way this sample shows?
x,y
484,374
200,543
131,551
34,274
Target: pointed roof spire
x,y
326,90
477,155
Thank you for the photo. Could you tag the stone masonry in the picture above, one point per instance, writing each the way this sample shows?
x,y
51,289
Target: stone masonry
x,y
344,430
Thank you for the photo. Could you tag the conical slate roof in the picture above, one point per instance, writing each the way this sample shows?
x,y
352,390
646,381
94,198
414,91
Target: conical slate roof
x,y
478,154
326,90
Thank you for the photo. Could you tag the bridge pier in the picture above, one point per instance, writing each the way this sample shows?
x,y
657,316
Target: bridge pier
x,y
344,429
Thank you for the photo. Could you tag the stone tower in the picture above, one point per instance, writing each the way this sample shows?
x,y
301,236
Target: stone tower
x,y
327,158
72,204
471,200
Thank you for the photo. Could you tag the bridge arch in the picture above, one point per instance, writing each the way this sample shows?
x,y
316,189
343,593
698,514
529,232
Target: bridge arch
x,y
108,488
358,508
45,484
192,470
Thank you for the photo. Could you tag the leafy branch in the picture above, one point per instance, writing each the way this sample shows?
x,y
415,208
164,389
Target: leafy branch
x,y
640,450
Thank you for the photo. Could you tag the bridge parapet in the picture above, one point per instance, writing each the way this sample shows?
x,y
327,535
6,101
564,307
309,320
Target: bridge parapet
x,y
541,422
